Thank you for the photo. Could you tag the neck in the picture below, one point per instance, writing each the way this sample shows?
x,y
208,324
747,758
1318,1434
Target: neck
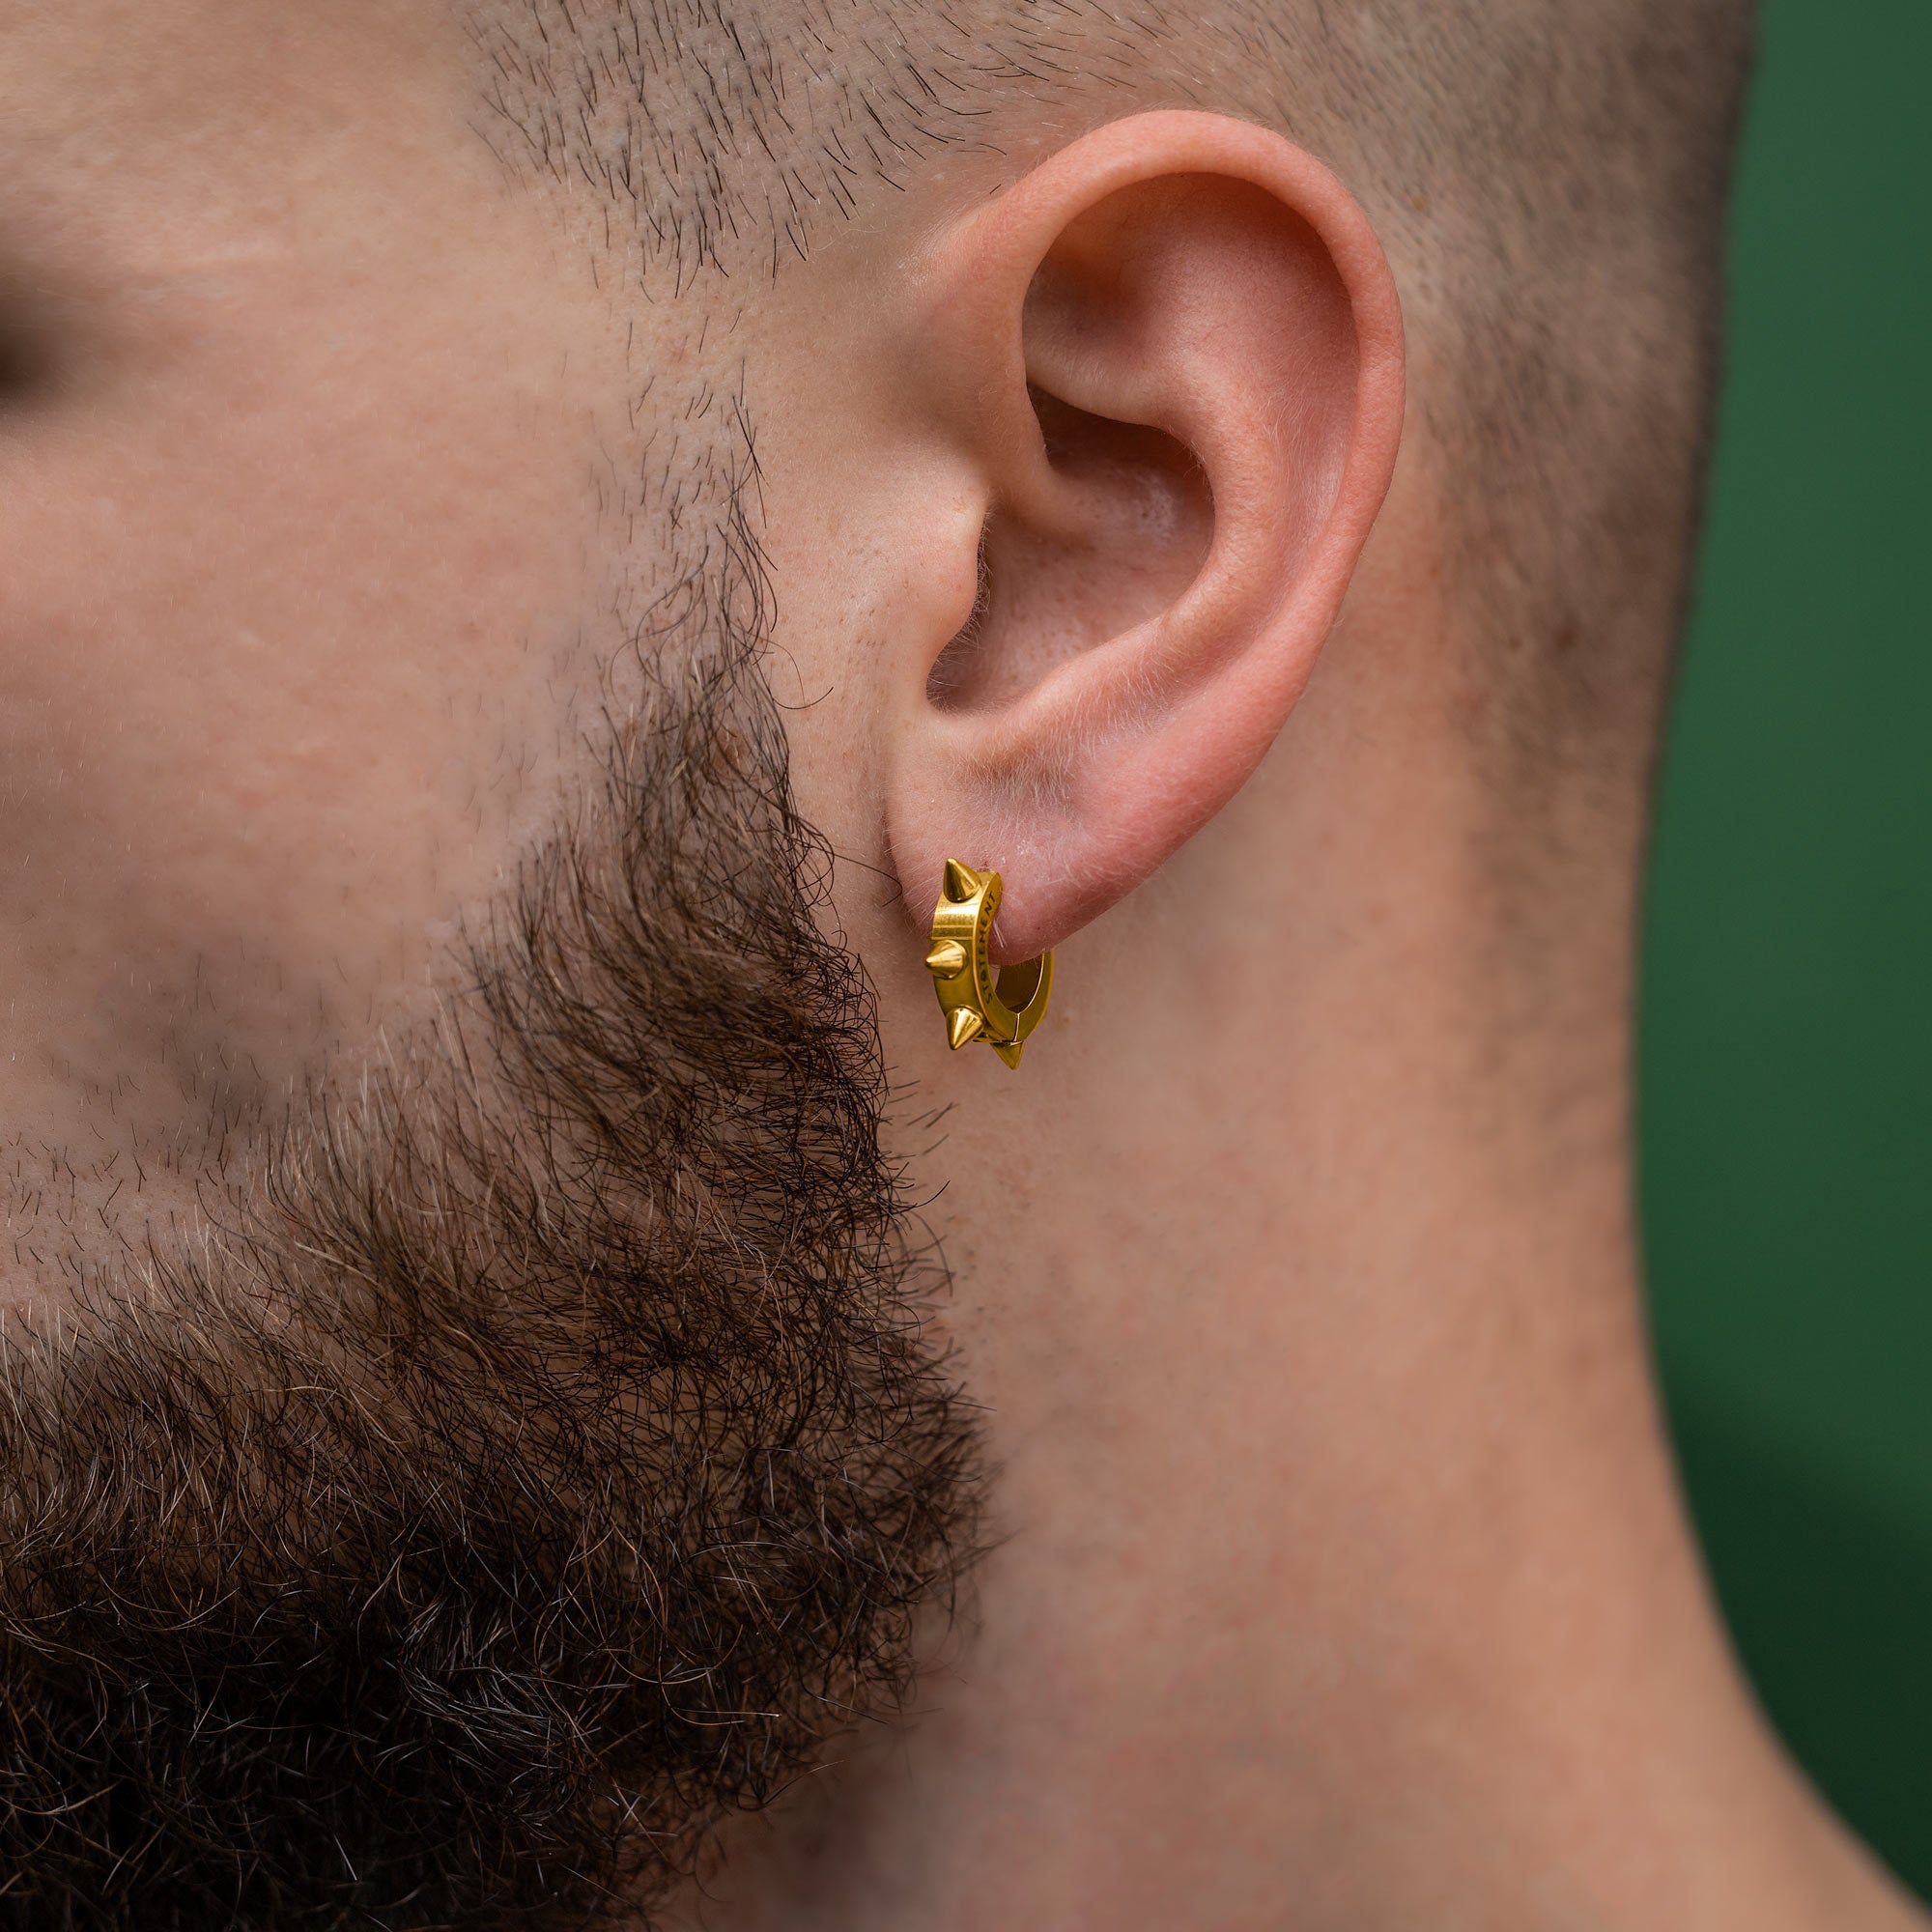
x,y
1342,1579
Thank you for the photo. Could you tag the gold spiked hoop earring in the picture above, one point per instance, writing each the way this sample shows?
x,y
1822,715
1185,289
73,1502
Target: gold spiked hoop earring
x,y
1002,1012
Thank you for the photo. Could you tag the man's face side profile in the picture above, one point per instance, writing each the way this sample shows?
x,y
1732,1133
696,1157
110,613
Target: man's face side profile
x,y
528,534
463,1335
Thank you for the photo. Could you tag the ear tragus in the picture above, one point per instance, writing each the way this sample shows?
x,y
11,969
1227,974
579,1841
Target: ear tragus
x,y
1134,523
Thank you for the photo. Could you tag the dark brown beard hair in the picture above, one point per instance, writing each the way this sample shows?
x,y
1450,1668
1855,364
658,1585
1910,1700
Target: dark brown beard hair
x,y
548,1455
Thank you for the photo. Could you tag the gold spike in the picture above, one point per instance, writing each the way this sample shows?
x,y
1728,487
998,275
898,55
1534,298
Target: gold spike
x,y
1010,1051
963,1024
945,958
962,882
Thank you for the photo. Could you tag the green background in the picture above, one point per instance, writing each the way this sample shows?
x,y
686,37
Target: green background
x,y
1786,1054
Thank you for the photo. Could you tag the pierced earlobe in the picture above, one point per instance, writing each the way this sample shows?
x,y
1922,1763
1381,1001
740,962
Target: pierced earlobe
x,y
1004,1012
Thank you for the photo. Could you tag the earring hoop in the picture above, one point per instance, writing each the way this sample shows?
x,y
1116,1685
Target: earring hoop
x,y
1002,1010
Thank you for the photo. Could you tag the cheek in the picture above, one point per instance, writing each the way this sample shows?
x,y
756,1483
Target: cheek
x,y
288,638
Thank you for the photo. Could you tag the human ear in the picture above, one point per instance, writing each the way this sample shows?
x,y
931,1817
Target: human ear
x,y
1170,359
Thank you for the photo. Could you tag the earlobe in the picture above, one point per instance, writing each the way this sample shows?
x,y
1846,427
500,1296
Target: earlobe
x,y
1172,356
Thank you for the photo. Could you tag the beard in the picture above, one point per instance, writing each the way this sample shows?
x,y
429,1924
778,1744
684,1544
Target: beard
x,y
540,1451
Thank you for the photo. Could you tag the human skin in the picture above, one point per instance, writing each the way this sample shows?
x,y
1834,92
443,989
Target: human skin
x,y
1341,1579
295,547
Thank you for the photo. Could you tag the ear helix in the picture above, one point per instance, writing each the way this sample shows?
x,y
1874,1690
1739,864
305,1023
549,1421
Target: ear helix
x,y
1004,1012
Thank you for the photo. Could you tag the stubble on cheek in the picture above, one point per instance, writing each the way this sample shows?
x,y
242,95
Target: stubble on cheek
x,y
303,651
